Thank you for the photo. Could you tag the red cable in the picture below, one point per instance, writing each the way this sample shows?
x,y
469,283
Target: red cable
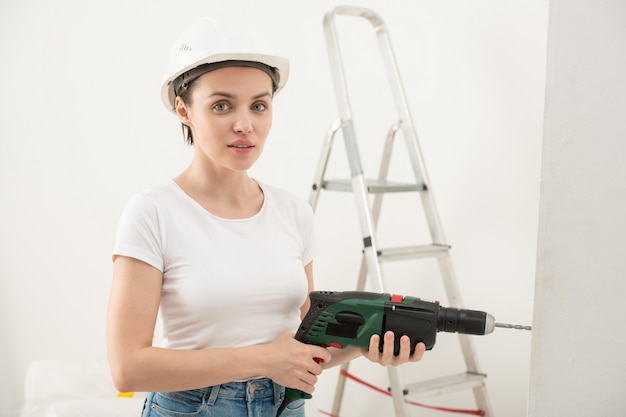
x,y
382,391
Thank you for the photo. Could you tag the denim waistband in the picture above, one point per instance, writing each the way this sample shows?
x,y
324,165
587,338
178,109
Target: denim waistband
x,y
255,398
248,390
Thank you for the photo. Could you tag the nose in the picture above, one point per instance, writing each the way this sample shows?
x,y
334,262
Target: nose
x,y
243,123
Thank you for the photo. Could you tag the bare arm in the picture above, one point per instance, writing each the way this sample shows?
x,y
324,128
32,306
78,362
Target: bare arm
x,y
138,366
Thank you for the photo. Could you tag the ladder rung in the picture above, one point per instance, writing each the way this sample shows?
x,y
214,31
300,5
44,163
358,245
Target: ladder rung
x,y
444,385
411,252
374,186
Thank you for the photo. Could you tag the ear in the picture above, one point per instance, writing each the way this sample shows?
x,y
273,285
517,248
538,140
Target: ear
x,y
182,111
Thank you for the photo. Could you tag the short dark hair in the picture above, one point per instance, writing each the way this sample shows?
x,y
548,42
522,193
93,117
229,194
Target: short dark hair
x,y
185,96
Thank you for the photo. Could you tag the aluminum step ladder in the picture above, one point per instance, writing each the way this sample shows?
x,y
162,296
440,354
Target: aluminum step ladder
x,y
366,190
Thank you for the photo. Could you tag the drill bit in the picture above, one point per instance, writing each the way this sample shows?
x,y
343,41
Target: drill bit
x,y
513,326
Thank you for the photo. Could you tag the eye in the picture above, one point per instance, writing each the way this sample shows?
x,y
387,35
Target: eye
x,y
221,106
259,107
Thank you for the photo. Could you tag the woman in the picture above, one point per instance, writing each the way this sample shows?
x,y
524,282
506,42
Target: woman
x,y
226,258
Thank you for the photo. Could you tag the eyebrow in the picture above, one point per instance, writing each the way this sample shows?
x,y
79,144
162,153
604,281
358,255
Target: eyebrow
x,y
231,96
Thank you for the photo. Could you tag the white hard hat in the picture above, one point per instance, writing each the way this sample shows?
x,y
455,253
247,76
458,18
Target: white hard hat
x,y
203,43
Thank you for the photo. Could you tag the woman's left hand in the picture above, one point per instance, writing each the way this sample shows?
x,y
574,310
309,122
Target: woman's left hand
x,y
386,357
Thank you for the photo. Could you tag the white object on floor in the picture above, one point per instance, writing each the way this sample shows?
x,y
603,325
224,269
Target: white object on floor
x,y
75,388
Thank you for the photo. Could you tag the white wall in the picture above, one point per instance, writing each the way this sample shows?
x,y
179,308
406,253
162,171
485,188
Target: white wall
x,y
82,129
578,364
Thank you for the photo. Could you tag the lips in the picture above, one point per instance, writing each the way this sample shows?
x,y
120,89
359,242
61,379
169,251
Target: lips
x,y
241,147
241,144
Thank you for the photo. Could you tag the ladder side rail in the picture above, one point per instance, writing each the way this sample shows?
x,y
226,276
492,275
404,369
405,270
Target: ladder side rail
x,y
454,300
470,356
336,67
383,170
355,11
376,207
370,249
320,173
356,171
400,403
409,133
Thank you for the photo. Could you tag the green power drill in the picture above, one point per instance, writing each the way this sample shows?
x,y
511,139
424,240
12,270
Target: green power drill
x,y
350,318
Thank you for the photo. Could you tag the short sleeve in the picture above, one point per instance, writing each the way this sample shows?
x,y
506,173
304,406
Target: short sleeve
x,y
138,232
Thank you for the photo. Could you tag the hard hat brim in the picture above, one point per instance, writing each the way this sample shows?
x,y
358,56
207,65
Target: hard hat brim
x,y
281,64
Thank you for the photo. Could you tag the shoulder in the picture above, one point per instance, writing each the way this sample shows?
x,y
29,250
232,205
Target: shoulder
x,y
155,195
153,199
285,198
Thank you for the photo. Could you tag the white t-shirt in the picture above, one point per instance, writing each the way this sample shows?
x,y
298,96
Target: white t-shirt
x,y
226,283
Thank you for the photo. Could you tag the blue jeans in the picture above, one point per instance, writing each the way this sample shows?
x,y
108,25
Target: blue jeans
x,y
256,398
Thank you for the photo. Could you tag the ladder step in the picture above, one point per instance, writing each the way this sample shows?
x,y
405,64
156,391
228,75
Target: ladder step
x,y
374,186
412,252
445,385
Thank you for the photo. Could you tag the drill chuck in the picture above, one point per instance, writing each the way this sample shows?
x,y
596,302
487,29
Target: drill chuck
x,y
456,320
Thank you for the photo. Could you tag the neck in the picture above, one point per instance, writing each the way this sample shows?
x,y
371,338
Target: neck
x,y
224,193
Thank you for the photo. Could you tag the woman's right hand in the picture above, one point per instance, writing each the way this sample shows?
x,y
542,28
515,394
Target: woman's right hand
x,y
295,364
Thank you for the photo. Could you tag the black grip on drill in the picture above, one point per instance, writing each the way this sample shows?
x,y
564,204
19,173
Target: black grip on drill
x,y
417,320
